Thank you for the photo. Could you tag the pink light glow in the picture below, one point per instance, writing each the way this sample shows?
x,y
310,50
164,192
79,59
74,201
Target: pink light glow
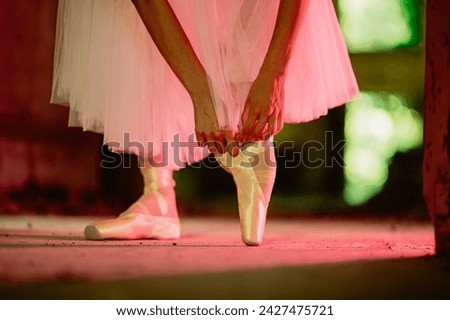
x,y
55,249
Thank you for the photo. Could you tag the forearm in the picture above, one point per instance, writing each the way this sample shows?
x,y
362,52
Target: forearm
x,y
281,45
171,40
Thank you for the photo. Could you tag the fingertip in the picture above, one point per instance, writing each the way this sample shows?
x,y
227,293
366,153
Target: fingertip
x,y
212,150
220,147
231,145
200,140
211,145
235,151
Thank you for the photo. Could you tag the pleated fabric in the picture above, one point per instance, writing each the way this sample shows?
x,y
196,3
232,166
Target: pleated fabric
x,y
110,73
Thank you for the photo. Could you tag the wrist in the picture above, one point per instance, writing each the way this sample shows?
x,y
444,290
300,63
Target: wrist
x,y
273,67
199,89
201,96
202,100
271,72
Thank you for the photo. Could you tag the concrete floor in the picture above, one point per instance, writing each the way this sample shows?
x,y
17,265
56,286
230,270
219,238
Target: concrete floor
x,y
301,258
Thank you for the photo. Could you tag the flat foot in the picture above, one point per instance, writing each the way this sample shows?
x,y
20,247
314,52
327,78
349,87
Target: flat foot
x,y
132,227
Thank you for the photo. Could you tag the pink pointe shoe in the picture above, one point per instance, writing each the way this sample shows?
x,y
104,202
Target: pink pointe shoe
x,y
153,216
253,171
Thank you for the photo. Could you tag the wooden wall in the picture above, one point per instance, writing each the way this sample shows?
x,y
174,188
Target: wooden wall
x,y
436,164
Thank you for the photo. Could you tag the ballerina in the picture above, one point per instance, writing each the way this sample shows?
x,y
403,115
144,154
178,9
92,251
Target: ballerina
x,y
232,72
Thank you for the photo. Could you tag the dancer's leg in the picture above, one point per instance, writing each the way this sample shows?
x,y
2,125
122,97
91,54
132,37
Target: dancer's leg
x,y
154,215
253,172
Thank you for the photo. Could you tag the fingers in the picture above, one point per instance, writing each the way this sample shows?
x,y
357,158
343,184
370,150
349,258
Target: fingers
x,y
219,142
271,127
246,112
201,138
232,146
262,129
257,133
248,118
279,123
212,146
266,127
211,142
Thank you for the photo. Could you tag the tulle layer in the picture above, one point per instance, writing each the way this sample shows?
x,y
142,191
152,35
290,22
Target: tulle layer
x,y
110,73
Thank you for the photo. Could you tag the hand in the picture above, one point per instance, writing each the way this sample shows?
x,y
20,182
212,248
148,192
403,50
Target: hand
x,y
263,111
207,128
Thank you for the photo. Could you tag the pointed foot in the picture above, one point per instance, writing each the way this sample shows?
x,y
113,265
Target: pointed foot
x,y
250,243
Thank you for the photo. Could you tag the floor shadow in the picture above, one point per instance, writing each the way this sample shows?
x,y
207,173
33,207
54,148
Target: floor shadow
x,y
410,278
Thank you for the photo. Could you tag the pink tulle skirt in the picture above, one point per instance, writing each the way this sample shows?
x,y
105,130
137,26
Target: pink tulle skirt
x,y
110,73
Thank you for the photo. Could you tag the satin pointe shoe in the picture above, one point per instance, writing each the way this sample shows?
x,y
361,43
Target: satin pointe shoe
x,y
253,171
153,216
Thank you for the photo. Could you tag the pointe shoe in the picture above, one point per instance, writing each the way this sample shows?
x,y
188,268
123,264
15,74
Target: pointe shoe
x,y
153,216
253,170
